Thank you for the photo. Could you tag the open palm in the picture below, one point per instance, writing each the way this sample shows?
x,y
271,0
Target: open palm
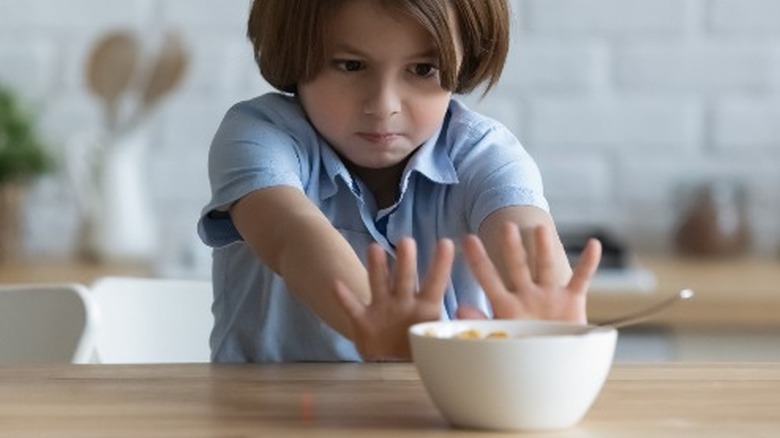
x,y
528,293
381,327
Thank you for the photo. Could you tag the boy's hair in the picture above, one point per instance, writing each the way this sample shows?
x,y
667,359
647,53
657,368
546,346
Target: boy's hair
x,y
289,38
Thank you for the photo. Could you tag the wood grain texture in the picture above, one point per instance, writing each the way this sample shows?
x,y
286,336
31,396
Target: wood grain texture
x,y
360,400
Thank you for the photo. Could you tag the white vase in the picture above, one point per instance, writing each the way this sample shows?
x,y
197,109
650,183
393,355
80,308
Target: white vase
x,y
110,179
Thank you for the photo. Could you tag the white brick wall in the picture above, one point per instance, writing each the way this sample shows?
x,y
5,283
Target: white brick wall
x,y
607,17
621,101
744,16
711,66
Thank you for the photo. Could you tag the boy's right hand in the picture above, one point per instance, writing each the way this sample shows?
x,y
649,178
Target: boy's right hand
x,y
381,327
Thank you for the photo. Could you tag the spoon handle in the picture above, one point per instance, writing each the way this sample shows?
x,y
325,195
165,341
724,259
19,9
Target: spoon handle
x,y
643,314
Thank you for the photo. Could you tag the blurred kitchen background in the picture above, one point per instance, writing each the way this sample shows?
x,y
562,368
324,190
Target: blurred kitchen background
x,y
626,105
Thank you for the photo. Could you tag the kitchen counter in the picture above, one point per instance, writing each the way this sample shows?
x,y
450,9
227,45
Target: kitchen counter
x,y
738,293
66,270
734,316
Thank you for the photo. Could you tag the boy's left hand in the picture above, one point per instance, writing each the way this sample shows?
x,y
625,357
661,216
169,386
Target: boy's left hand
x,y
381,327
528,294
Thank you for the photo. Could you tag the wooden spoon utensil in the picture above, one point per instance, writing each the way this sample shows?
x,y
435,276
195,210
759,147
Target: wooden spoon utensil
x,y
110,70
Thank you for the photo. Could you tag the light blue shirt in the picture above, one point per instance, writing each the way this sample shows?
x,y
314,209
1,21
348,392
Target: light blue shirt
x,y
469,169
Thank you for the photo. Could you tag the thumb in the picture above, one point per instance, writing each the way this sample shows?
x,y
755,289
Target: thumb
x,y
469,312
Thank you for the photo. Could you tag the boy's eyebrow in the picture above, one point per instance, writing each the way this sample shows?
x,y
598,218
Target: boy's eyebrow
x,y
343,47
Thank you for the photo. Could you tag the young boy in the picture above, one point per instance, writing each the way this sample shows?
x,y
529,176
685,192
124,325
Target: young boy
x,y
367,154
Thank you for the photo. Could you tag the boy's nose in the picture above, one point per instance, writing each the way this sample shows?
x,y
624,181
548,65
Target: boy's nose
x,y
382,100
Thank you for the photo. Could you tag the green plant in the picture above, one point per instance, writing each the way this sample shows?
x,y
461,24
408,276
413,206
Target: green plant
x,y
22,153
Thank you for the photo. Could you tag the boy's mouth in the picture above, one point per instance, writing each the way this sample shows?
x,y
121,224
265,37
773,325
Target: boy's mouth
x,y
379,137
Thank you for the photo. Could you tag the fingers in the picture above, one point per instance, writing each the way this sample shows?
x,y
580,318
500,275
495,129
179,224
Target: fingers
x,y
482,268
405,269
545,267
515,257
438,276
378,274
586,267
404,276
469,312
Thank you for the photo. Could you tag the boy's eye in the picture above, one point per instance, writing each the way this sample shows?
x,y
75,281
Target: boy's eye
x,y
424,70
349,65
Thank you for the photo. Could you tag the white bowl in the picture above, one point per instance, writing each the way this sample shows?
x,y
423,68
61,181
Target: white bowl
x,y
546,375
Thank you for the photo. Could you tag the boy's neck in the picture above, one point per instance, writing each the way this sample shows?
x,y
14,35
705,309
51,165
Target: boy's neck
x,y
384,183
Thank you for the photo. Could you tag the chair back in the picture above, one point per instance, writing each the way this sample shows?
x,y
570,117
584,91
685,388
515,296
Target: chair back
x,y
46,323
153,320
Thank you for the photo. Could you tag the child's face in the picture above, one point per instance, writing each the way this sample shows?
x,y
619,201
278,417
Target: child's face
x,y
378,98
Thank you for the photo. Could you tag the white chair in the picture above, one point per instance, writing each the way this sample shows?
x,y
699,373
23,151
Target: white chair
x,y
153,320
46,323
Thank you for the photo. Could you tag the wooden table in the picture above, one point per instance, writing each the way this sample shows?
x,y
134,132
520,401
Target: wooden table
x,y
360,400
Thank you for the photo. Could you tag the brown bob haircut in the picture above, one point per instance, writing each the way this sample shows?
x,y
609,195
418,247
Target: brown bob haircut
x,y
290,38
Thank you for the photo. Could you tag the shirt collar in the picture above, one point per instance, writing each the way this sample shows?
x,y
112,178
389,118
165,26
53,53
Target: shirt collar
x,y
334,168
432,160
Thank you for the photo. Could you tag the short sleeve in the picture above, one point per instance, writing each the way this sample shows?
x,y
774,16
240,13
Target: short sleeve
x,y
498,172
251,150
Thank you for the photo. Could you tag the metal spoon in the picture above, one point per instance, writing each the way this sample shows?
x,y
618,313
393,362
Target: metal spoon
x,y
633,318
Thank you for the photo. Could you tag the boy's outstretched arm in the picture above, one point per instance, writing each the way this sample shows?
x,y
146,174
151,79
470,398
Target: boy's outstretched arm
x,y
293,238
521,264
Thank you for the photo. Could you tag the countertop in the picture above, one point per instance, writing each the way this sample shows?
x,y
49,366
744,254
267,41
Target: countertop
x,y
66,270
737,293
